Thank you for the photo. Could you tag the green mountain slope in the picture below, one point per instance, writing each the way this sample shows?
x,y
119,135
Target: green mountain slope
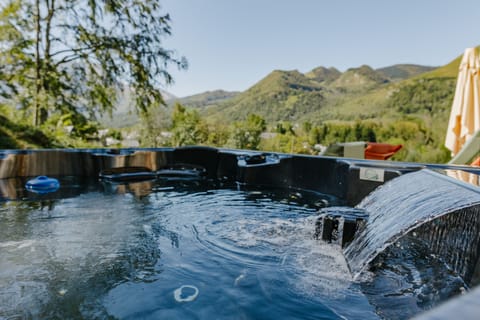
x,y
324,75
281,95
319,95
450,70
403,71
360,79
205,99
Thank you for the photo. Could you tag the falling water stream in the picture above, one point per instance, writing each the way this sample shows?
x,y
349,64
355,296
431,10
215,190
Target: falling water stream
x,y
420,245
404,204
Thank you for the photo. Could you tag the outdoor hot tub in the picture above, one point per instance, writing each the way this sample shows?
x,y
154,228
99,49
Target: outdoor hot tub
x,y
205,233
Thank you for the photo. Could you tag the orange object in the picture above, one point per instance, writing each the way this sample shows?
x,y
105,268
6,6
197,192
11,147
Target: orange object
x,y
380,151
476,162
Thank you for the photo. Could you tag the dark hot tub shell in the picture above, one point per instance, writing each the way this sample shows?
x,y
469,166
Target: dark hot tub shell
x,y
339,177
349,180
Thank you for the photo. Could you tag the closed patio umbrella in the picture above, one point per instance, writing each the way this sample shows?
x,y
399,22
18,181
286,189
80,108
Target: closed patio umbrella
x,y
465,115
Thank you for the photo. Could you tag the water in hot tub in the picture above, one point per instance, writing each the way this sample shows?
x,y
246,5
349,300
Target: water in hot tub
x,y
183,250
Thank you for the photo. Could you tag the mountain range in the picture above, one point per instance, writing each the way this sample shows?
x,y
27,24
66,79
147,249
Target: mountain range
x,y
353,79
294,96
284,95
326,94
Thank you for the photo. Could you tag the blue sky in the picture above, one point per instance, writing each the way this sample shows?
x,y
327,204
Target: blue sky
x,y
231,44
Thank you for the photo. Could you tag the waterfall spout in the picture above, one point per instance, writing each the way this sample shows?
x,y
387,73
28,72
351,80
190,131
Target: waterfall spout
x,y
446,213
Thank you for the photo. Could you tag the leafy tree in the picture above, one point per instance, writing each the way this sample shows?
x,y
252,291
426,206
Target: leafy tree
x,y
187,127
365,131
307,126
285,127
218,135
72,56
247,134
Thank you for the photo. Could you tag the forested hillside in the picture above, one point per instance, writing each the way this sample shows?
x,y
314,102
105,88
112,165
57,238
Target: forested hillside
x,y
402,104
286,111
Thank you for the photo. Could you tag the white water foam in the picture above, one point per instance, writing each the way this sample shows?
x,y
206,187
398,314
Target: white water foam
x,y
317,267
